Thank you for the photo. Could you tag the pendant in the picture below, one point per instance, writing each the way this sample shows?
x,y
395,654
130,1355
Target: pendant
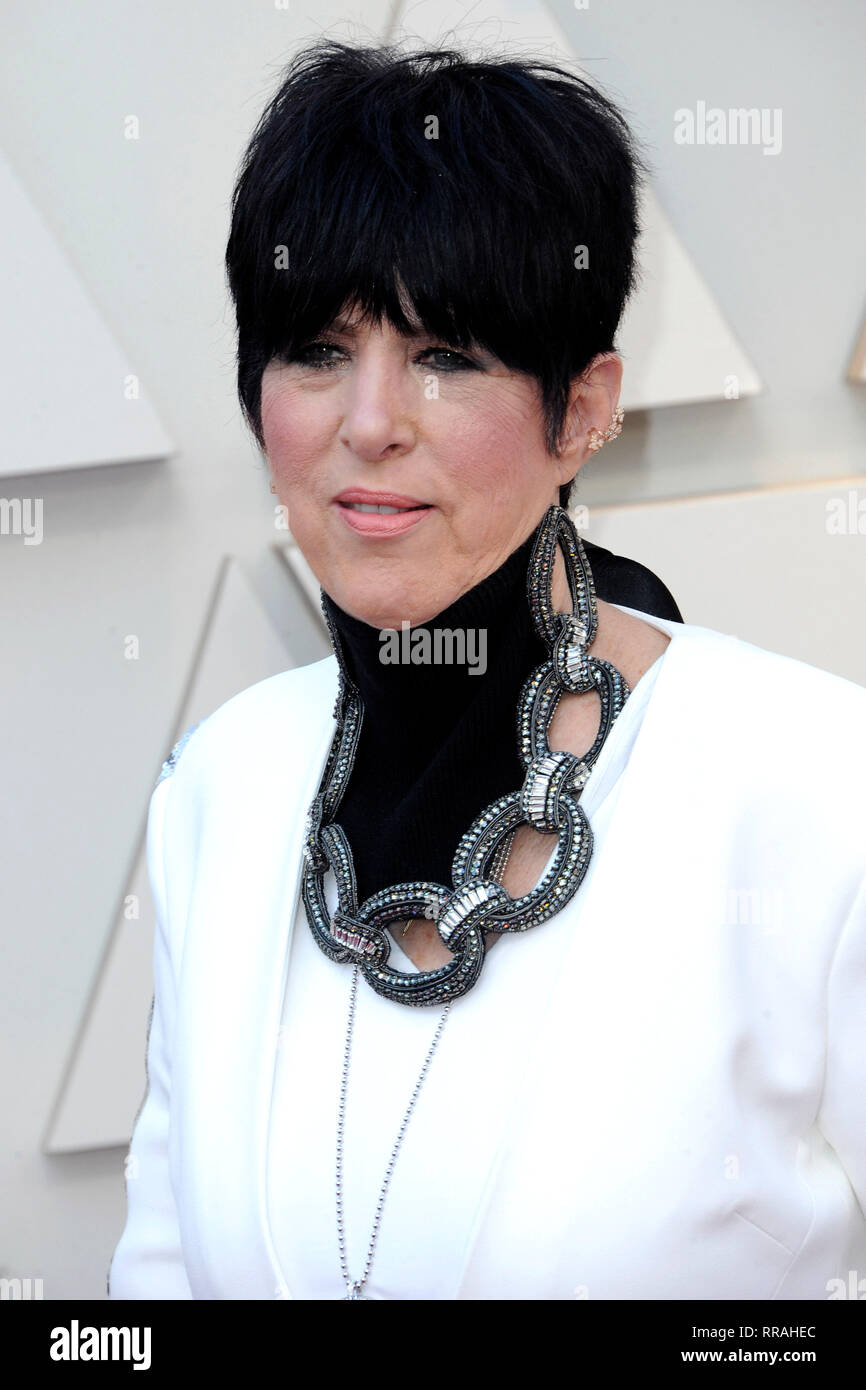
x,y
355,1292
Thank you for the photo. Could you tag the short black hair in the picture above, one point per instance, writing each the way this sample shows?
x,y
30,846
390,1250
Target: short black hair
x,y
479,226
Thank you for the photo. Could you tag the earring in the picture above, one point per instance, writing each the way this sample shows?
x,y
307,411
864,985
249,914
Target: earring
x,y
273,489
612,431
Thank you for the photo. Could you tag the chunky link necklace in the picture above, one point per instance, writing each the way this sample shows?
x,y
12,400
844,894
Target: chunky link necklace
x,y
548,800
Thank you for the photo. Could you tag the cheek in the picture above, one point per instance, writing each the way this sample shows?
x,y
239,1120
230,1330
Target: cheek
x,y
295,432
500,441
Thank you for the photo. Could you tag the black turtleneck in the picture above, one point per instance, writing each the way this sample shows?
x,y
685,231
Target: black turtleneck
x,y
438,744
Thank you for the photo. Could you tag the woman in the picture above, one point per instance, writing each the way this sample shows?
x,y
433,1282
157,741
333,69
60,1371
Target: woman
x,y
580,927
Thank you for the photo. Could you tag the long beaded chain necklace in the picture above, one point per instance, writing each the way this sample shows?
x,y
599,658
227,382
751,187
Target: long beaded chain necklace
x,y
354,1286
478,902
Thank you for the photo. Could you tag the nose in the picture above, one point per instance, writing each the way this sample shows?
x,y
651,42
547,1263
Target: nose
x,y
380,401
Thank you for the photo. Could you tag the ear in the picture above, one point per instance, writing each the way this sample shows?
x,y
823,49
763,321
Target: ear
x,y
593,399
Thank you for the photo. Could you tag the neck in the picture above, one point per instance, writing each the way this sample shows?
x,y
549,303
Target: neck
x,y
438,738
445,661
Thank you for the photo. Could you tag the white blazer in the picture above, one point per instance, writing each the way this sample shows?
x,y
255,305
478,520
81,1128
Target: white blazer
x,y
698,1100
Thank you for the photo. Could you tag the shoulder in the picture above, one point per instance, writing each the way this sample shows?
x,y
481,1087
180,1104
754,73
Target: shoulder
x,y
755,680
273,714
778,744
785,692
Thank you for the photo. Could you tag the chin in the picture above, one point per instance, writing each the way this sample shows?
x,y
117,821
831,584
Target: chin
x,y
387,614
377,611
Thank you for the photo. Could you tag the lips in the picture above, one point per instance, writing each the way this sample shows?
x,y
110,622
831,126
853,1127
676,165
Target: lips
x,y
382,524
385,508
379,499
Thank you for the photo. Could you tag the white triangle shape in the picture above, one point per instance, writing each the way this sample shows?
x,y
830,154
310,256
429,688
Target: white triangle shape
x,y
106,1073
69,397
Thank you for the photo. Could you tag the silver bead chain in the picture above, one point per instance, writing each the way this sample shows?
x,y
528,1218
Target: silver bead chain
x,y
354,1286
503,854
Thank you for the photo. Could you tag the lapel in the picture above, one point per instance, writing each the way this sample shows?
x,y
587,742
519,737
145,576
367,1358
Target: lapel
x,y
233,969
586,940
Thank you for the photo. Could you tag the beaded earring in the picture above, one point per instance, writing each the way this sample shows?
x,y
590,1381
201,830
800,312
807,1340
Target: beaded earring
x,y
598,438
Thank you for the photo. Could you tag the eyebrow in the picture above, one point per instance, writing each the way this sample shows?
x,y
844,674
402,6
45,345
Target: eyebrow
x,y
342,325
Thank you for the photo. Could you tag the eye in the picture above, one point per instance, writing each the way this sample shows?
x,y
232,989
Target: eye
x,y
458,362
312,356
309,356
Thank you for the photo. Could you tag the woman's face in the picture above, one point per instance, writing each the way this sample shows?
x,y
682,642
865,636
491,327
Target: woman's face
x,y
457,431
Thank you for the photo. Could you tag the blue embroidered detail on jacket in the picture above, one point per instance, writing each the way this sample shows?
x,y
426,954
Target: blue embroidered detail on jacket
x,y
171,761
